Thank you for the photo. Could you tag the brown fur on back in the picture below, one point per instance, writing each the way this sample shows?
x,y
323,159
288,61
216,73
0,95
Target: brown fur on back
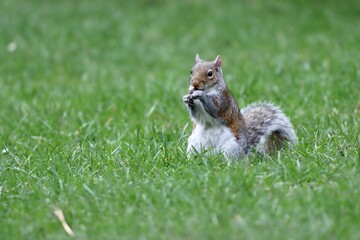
x,y
231,114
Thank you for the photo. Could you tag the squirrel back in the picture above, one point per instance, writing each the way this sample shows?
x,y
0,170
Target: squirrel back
x,y
219,124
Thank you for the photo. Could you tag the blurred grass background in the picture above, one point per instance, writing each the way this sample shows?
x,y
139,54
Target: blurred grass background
x,y
92,120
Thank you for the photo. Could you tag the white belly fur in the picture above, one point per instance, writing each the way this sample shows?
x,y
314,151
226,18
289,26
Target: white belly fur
x,y
217,139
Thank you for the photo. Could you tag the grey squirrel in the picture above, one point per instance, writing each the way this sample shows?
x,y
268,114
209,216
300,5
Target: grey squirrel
x,y
219,126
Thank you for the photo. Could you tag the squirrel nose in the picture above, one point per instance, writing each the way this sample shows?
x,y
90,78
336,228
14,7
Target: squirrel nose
x,y
195,85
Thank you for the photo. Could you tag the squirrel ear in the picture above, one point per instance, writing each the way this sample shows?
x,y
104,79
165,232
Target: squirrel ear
x,y
217,61
197,58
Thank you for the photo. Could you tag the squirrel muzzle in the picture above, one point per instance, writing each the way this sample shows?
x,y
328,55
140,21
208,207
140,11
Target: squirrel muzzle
x,y
193,89
196,85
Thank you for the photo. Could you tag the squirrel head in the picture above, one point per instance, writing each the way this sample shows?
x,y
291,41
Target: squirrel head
x,y
204,74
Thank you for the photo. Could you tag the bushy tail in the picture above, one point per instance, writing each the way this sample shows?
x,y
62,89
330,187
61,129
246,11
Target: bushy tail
x,y
268,128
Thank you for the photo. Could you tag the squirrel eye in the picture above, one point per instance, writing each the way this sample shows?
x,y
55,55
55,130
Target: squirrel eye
x,y
191,72
210,73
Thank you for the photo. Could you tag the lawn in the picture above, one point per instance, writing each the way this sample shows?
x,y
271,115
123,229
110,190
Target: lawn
x,y
92,120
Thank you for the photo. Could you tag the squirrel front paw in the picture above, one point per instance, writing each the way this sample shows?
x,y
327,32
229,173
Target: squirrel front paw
x,y
188,100
196,94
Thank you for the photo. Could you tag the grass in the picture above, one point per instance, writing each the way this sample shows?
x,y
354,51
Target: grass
x,y
92,122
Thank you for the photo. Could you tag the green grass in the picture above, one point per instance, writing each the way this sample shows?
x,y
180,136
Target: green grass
x,y
92,122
